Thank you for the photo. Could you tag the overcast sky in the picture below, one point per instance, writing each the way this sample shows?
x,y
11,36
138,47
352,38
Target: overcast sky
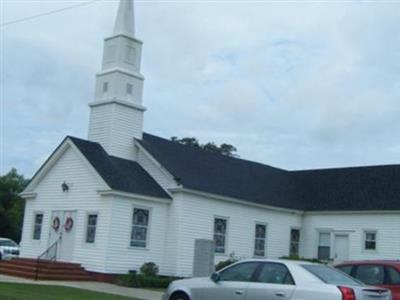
x,y
291,84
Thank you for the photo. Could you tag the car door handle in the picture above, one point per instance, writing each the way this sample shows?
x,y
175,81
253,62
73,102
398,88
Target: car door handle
x,y
239,292
280,294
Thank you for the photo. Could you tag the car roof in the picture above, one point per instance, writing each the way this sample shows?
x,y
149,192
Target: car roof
x,y
369,262
4,239
284,261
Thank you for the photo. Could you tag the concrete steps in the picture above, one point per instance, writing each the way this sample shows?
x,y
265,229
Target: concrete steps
x,y
44,270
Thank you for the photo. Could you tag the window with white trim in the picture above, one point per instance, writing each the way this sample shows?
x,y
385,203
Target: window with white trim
x,y
369,240
294,242
220,228
91,228
324,246
259,242
140,224
37,227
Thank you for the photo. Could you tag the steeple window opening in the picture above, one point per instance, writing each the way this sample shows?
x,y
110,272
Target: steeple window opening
x,y
129,89
105,87
130,55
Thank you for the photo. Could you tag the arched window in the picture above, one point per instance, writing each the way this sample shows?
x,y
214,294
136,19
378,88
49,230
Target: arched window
x,y
140,225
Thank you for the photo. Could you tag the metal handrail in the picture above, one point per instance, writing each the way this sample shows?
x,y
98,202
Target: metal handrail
x,y
45,256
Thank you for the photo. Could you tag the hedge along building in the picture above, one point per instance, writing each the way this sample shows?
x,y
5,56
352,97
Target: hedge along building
x,y
124,197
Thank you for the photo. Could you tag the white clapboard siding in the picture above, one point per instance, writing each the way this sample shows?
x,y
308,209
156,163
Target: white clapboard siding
x,y
100,125
82,197
115,126
172,256
354,224
196,221
120,256
159,174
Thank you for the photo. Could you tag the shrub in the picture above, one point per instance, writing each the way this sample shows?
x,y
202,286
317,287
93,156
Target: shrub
x,y
295,257
225,263
149,269
143,281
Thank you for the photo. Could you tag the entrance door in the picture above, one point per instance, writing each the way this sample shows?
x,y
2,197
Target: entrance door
x,y
341,247
67,236
63,228
55,226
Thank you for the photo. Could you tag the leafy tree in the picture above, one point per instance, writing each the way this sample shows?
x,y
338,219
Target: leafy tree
x,y
224,149
11,205
191,141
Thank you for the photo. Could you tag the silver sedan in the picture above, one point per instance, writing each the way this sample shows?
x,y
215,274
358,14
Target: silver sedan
x,y
8,249
274,280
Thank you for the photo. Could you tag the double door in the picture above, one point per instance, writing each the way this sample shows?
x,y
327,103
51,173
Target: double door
x,y
62,229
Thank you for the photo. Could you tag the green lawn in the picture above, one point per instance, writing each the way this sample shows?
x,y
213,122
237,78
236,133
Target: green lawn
x,y
14,291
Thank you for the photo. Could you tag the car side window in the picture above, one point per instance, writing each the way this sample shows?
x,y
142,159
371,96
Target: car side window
x,y
370,274
393,276
275,273
345,269
239,272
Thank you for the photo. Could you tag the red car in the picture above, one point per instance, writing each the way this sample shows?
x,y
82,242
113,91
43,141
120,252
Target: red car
x,y
381,273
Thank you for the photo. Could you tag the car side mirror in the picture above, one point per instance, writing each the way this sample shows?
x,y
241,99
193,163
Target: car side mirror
x,y
215,277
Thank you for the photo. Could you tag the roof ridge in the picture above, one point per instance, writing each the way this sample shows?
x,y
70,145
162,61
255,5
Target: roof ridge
x,y
199,149
121,158
346,168
78,138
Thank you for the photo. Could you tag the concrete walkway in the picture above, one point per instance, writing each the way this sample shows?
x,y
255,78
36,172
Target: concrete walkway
x,y
92,286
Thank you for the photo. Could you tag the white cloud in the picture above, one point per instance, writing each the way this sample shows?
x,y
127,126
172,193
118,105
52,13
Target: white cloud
x,y
292,84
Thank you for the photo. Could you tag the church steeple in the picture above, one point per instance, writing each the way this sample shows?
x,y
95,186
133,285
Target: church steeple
x,y
116,115
125,22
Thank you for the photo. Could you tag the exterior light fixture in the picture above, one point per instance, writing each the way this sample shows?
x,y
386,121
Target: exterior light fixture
x,y
64,187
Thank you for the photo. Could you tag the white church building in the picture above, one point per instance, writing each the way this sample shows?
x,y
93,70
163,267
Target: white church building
x,y
123,197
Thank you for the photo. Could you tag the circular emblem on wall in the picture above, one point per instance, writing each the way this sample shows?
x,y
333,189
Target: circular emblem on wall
x,y
69,223
56,223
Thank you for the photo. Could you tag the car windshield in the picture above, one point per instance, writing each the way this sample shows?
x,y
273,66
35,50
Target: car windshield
x,y
331,276
8,243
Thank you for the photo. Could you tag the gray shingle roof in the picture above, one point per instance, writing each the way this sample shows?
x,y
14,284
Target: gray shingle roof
x,y
341,189
346,189
120,174
222,175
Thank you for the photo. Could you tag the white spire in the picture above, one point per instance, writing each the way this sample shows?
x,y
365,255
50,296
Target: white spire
x,y
125,23
116,114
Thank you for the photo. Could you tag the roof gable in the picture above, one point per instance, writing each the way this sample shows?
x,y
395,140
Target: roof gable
x,y
115,173
50,162
120,174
